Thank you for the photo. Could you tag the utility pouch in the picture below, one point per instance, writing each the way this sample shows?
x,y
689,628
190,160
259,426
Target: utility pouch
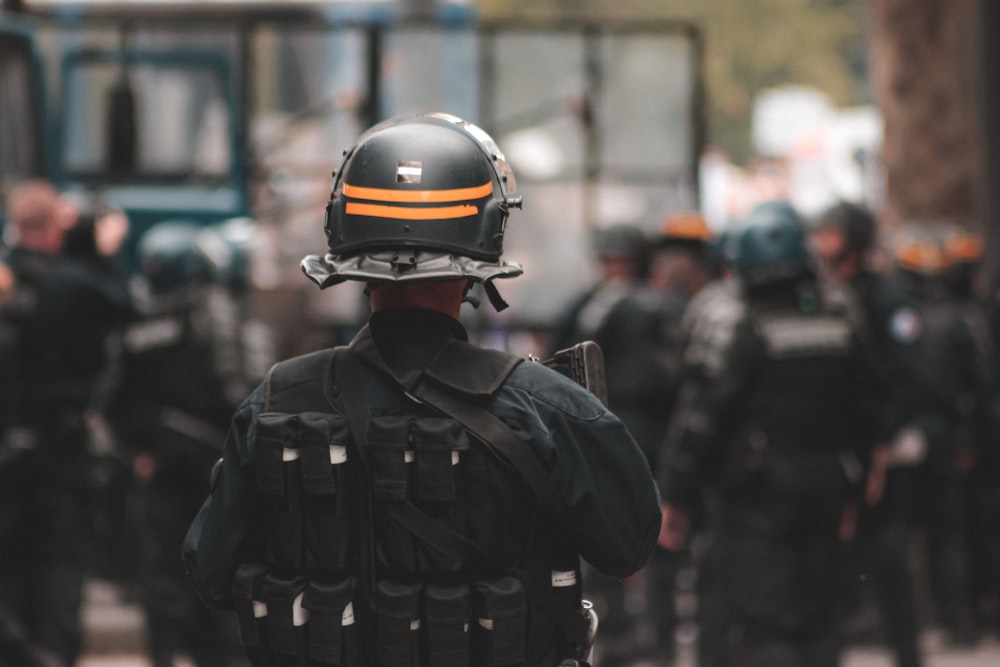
x,y
299,467
390,447
439,443
447,610
286,617
250,611
397,624
332,633
501,633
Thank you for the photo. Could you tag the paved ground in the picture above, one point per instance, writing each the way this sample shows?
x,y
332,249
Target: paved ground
x,y
114,636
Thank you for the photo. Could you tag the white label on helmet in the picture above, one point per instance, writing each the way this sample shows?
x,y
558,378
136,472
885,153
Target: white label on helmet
x,y
409,172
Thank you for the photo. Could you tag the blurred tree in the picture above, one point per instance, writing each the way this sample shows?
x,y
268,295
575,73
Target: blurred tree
x,y
750,46
925,70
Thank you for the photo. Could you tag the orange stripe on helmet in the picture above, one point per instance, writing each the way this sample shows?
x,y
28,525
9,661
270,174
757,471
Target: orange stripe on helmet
x,y
405,213
418,196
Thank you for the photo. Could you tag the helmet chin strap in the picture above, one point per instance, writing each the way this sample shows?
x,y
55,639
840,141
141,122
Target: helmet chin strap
x,y
494,296
468,298
492,293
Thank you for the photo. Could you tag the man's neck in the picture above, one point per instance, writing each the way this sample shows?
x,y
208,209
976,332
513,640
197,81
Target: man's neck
x,y
440,296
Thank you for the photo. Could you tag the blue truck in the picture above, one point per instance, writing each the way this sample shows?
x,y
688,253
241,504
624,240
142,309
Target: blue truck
x,y
213,110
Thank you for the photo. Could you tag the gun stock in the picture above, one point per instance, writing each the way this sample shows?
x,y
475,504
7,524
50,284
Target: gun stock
x,y
584,363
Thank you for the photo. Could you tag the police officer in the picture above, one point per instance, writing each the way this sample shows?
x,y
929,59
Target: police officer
x,y
845,239
412,499
957,379
978,455
614,314
680,266
33,238
71,340
180,376
772,417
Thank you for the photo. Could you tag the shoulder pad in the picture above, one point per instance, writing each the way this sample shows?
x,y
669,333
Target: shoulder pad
x,y
299,381
472,370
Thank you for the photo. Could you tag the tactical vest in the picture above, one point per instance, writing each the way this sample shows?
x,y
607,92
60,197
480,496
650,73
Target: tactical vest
x,y
373,526
802,419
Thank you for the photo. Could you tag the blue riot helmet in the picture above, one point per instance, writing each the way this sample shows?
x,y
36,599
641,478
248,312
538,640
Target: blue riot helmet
x,y
421,197
171,257
770,246
228,246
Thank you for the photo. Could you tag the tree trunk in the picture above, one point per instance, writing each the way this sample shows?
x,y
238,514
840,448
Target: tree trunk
x,y
925,72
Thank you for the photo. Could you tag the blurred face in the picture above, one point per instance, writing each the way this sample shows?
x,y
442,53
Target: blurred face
x,y
39,217
110,232
6,281
829,245
618,268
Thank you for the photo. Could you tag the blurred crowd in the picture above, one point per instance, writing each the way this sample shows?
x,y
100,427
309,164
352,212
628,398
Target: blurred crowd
x,y
816,399
117,391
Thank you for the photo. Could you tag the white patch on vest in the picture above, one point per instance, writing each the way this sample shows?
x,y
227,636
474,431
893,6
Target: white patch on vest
x,y
288,454
259,609
338,454
409,456
563,579
797,335
454,458
300,615
160,332
409,172
348,617
905,325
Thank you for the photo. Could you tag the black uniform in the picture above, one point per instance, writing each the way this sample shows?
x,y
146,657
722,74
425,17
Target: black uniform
x,y
66,347
879,555
17,466
956,378
493,536
171,413
773,417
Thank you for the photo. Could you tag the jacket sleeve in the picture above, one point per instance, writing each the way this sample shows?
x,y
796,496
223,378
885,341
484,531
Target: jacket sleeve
x,y
602,475
219,538
718,362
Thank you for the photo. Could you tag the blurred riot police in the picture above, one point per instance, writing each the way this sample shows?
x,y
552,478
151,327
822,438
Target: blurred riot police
x,y
680,266
957,381
412,499
773,417
611,314
845,238
183,371
978,453
71,339
614,314
33,238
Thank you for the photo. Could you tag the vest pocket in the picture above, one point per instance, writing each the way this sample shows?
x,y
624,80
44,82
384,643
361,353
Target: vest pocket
x,y
286,618
390,446
447,610
439,444
332,632
501,631
397,624
301,474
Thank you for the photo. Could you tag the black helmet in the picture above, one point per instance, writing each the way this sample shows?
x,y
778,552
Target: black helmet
x,y
421,197
171,257
855,221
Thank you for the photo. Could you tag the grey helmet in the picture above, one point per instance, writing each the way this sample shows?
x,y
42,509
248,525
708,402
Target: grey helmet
x,y
420,197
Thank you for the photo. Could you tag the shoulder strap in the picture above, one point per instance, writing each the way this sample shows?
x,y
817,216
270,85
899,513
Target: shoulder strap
x,y
458,383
